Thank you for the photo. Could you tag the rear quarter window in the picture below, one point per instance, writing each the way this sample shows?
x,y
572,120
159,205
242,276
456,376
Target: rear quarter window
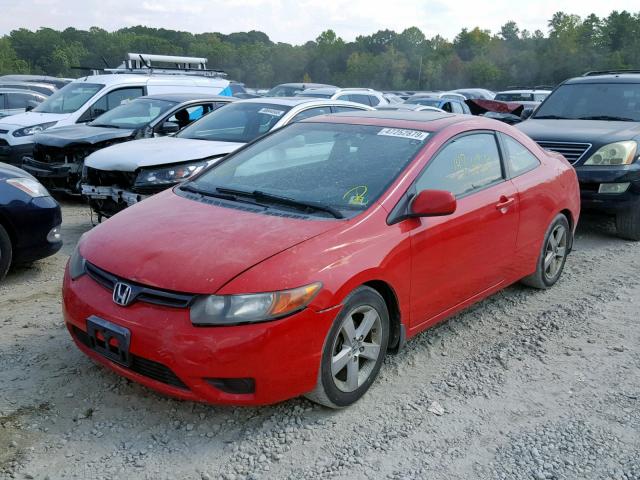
x,y
519,158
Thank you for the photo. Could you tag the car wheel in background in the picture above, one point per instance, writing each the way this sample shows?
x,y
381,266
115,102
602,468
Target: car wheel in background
x,y
628,224
354,350
555,248
5,252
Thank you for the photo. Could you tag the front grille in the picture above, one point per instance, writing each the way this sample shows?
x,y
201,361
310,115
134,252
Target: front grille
x,y
148,368
572,151
104,178
142,293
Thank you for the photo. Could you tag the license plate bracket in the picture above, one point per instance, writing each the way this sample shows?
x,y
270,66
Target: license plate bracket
x,y
109,340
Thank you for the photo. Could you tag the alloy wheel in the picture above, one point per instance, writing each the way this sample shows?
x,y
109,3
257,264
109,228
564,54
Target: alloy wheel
x,y
555,252
356,348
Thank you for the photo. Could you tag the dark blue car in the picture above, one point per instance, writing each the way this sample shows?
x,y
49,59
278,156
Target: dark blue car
x,y
29,219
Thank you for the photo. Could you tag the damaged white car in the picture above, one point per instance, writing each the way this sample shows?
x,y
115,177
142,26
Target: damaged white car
x,y
121,175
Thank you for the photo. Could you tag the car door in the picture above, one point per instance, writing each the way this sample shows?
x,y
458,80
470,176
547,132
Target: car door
x,y
458,257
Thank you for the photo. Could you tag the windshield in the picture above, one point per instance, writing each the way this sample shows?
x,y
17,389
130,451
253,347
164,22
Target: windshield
x,y
430,102
135,114
344,167
593,101
514,97
237,122
283,91
69,98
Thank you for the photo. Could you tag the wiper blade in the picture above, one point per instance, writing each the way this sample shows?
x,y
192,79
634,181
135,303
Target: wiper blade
x,y
102,125
291,202
187,187
608,117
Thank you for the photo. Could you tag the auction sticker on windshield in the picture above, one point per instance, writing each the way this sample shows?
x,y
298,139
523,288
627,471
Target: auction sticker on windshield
x,y
404,133
271,111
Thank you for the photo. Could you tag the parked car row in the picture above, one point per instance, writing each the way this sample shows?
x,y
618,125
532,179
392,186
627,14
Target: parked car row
x,y
320,219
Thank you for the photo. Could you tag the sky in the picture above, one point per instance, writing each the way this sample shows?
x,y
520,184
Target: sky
x,y
297,21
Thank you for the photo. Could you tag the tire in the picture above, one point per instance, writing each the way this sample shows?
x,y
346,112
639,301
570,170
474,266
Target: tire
x,y
553,254
628,224
359,356
6,252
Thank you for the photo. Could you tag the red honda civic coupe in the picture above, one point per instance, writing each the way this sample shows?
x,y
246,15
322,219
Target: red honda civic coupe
x,y
295,264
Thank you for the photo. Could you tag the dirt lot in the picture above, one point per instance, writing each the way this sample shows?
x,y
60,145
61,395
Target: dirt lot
x,y
526,384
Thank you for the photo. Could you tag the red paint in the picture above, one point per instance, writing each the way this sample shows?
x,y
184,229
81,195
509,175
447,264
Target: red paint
x,y
433,203
436,266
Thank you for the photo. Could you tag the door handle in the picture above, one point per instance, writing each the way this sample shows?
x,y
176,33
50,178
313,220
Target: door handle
x,y
505,203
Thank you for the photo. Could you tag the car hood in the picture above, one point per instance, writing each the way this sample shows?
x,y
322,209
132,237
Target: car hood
x,y
175,243
129,156
28,119
80,134
588,131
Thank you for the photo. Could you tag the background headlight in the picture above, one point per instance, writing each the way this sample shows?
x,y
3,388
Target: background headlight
x,y
251,308
171,175
29,186
33,129
619,153
76,264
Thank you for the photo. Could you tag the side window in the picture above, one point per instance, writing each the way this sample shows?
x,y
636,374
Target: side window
x,y
373,100
18,100
357,98
467,163
109,101
185,116
456,107
2,101
339,108
520,159
447,107
311,112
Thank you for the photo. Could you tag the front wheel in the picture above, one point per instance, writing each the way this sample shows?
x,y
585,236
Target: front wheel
x,y
354,350
628,224
553,255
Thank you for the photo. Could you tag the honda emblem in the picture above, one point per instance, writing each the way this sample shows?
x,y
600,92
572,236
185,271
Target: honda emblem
x,y
123,294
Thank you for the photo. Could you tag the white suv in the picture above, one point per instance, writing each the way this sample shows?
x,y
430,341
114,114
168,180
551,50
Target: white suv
x,y
366,96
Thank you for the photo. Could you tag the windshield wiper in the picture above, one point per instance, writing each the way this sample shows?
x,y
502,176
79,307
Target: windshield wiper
x,y
305,205
608,117
102,125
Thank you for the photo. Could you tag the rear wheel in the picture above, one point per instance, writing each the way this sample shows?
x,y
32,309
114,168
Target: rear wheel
x,y
354,350
628,224
6,252
553,255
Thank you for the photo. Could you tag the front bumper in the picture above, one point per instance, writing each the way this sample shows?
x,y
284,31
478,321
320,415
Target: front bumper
x,y
13,153
32,223
591,178
116,194
282,357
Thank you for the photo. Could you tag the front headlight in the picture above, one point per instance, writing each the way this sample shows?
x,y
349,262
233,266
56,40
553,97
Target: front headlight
x,y
170,175
29,186
33,129
251,308
618,153
76,264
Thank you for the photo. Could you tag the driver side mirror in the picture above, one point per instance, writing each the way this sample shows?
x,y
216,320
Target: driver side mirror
x,y
526,113
29,108
168,128
433,203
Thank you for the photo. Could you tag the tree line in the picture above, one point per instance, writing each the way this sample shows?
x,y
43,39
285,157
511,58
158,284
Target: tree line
x,y
385,59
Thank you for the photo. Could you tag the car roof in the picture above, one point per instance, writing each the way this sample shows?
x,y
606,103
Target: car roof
x,y
606,78
304,85
49,86
293,101
187,97
525,90
21,90
140,78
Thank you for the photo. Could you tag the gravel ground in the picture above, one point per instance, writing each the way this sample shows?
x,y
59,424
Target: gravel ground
x,y
525,385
